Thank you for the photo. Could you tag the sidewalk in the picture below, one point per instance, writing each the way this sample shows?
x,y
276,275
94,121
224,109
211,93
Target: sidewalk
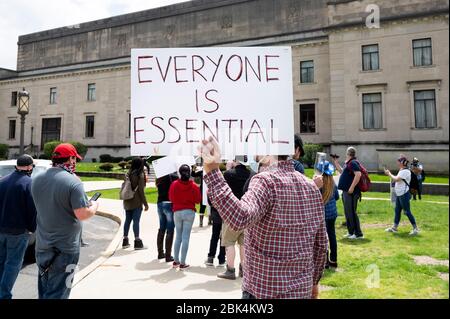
x,y
91,186
138,274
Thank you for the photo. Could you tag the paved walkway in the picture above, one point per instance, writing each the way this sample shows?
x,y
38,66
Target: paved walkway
x,y
91,186
138,274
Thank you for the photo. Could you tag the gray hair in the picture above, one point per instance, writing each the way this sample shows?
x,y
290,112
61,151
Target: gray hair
x,y
351,151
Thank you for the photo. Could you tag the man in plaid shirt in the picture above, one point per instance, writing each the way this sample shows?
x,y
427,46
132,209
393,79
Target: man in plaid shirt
x,y
283,217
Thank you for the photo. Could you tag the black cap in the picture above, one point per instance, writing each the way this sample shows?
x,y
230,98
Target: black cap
x,y
25,160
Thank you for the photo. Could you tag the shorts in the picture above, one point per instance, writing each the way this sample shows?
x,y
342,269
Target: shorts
x,y
230,237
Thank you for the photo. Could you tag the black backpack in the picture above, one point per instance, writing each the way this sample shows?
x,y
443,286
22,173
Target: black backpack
x,y
413,184
423,176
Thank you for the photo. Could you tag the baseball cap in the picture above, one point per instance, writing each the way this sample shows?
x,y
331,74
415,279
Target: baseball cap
x,y
25,160
325,167
65,150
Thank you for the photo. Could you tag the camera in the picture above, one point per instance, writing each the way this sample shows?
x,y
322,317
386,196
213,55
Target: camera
x,y
335,156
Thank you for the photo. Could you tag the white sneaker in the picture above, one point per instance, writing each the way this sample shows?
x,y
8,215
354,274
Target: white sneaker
x,y
391,230
414,232
347,235
352,237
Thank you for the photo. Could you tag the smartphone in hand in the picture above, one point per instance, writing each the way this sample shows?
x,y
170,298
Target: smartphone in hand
x,y
95,197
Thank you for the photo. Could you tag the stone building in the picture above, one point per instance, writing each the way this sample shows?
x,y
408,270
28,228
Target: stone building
x,y
382,88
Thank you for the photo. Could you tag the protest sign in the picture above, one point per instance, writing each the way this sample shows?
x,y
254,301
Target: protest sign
x,y
168,165
241,96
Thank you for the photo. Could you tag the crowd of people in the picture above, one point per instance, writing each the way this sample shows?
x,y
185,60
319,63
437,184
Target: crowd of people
x,y
283,222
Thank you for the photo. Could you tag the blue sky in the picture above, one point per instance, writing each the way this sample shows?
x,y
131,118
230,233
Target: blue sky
x,y
24,16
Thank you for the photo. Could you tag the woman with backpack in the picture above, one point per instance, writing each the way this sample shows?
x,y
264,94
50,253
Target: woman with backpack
x,y
133,206
402,182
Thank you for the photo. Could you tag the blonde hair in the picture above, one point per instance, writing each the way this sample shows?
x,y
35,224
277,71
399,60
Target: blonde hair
x,y
328,188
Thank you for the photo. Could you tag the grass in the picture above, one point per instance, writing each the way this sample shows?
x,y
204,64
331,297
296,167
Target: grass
x,y
377,177
97,179
391,254
430,198
151,193
94,167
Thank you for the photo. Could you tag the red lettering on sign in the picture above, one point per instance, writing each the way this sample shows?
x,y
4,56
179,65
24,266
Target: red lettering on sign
x,y
159,127
178,69
269,68
171,125
136,130
146,68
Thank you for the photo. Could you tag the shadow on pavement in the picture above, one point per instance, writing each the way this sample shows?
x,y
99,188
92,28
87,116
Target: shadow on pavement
x,y
153,265
217,285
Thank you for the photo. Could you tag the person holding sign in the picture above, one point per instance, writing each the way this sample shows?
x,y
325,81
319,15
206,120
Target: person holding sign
x,y
183,194
284,221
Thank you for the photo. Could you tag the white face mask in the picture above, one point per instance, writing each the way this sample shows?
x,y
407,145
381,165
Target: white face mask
x,y
254,166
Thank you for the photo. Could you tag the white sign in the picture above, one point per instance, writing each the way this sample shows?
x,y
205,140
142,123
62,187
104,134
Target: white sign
x,y
241,96
205,194
168,165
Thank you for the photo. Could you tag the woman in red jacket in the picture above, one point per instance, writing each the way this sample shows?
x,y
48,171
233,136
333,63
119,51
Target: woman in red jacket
x,y
183,194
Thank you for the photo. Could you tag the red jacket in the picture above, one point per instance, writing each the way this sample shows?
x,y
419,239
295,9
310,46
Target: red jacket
x,y
184,195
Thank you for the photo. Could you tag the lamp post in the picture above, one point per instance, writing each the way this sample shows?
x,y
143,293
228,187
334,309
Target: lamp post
x,y
23,110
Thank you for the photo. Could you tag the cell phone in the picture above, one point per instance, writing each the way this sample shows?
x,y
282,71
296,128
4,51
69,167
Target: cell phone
x,y
95,197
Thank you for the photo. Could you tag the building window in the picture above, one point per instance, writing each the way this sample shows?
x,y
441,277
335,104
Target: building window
x,y
425,109
422,52
12,129
372,115
52,95
91,92
89,126
14,98
307,118
370,57
307,72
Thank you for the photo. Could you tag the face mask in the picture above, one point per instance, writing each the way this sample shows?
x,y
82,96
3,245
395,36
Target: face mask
x,y
28,173
254,166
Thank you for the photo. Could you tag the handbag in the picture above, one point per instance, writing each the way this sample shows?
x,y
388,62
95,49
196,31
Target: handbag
x,y
126,191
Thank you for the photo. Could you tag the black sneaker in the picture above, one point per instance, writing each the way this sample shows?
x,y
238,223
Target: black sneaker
x,y
138,244
209,261
125,243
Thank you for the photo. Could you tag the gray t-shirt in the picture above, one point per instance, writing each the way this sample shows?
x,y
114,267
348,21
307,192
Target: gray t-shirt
x,y
56,194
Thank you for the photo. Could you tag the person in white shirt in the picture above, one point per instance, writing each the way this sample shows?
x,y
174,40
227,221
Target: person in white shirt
x,y
402,181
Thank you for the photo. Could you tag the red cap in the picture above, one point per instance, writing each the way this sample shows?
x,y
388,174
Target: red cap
x,y
65,150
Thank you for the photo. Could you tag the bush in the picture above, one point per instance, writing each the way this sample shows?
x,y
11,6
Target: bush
x,y
49,147
310,153
94,160
81,148
105,158
106,167
116,159
128,158
4,148
43,156
123,164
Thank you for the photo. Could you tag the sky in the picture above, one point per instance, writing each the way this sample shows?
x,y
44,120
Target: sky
x,y
19,17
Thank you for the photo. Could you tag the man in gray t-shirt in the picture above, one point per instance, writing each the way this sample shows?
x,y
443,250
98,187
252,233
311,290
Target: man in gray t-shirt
x,y
61,205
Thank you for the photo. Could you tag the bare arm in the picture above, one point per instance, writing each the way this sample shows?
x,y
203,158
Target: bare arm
x,y
338,166
86,212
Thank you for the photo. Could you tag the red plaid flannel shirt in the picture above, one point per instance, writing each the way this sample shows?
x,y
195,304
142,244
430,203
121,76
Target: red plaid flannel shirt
x,y
285,235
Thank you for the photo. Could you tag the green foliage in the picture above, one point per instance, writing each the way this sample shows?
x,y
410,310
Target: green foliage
x,y
106,167
49,147
105,158
116,159
310,153
123,164
4,148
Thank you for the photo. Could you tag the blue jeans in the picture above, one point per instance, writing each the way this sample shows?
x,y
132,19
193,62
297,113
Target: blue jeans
x,y
12,251
165,214
183,224
134,216
55,276
402,203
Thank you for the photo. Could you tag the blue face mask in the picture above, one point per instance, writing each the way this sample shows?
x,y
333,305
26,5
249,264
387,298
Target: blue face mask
x,y
254,166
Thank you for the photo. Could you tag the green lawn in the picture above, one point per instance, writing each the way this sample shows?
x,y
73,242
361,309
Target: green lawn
x,y
97,179
94,167
151,194
391,254
383,178
430,198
